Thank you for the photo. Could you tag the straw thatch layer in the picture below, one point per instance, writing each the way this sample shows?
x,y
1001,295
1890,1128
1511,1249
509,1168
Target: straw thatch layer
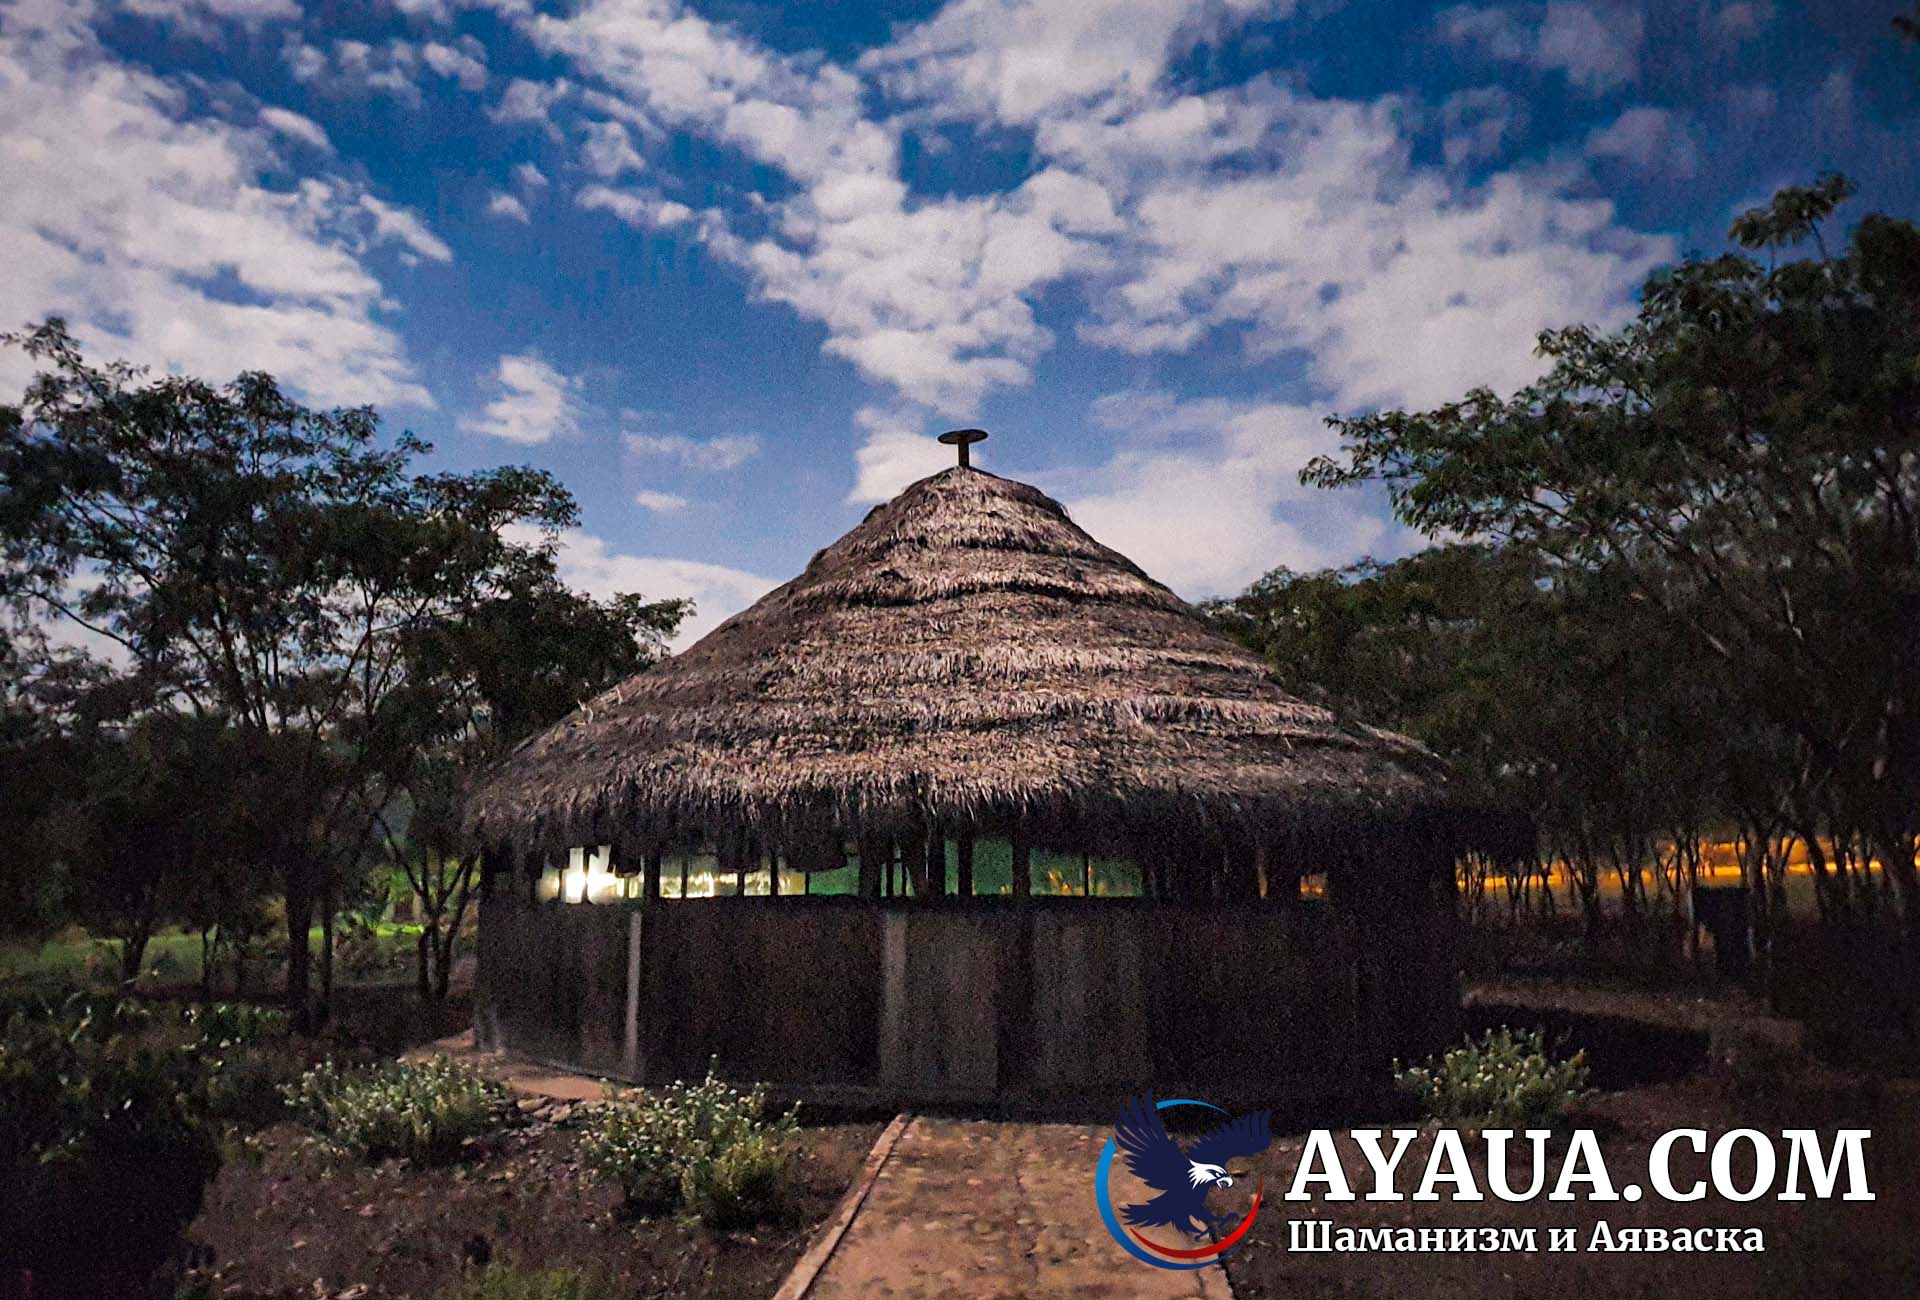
x,y
966,656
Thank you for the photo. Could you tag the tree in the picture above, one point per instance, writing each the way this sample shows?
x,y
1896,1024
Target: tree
x,y
1543,686
259,562
1745,457
153,814
518,659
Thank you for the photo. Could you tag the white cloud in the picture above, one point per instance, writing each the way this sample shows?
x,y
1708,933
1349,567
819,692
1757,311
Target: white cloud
x,y
355,68
1480,122
194,12
1742,20
1833,105
529,177
1020,61
123,205
635,207
1750,105
894,454
529,101
407,228
925,296
1596,51
1397,284
608,151
1205,494
1597,46
728,451
538,405
296,127
587,563
465,61
663,502
1652,140
507,206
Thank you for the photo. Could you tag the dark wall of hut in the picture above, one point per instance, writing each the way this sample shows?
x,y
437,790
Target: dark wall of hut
x,y
1039,999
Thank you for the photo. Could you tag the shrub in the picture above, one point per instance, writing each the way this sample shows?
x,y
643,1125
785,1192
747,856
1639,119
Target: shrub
x,y
236,1024
1505,1079
738,1185
422,1110
104,1148
504,1282
707,1147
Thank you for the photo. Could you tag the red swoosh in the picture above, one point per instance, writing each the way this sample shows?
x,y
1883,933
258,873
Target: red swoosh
x,y
1226,1243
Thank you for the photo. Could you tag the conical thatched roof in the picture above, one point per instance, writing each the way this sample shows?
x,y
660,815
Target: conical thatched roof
x,y
968,654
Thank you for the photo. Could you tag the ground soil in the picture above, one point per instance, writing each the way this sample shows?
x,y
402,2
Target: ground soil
x,y
297,1222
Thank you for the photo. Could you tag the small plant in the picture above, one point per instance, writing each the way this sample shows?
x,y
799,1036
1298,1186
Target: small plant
x,y
223,1025
504,1282
1504,1079
423,1110
739,1185
707,1147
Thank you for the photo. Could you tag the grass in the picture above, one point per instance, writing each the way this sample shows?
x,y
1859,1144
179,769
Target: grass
x,y
173,956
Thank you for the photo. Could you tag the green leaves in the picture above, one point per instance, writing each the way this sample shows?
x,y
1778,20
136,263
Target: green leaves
x,y
707,1147
419,1110
1505,1079
1740,468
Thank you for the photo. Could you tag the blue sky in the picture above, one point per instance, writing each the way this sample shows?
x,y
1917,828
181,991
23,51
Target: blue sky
x,y
725,268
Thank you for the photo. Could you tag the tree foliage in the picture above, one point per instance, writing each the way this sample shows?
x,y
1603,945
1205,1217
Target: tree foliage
x,y
288,576
1742,462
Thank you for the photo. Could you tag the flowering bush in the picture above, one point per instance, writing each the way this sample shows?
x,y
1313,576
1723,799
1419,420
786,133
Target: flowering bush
x,y
707,1147
423,1110
1505,1079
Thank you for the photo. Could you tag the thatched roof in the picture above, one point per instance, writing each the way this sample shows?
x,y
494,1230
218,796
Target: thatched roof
x,y
966,654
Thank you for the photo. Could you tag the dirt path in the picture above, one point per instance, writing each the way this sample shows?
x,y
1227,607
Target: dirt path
x,y
966,1210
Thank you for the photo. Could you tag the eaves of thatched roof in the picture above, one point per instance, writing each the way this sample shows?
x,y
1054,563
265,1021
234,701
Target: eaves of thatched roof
x,y
966,657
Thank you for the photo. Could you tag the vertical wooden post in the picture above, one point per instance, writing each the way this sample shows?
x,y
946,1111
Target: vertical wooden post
x,y
636,973
741,864
686,856
964,885
873,855
1086,874
773,872
1013,1058
936,862
650,883
897,1064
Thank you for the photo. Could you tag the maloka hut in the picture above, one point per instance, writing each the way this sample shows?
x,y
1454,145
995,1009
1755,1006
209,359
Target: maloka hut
x,y
967,678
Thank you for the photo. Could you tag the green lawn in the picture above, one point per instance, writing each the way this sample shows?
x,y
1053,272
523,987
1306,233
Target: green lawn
x,y
75,960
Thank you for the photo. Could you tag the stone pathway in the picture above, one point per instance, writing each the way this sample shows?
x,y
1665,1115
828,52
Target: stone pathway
x,y
966,1210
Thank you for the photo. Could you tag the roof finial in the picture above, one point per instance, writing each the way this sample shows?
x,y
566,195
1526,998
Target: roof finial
x,y
964,440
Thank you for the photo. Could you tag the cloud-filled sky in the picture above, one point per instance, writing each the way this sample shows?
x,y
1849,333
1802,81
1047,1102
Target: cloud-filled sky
x,y
726,267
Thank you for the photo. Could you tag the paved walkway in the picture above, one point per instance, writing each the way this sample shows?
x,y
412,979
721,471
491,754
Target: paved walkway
x,y
966,1210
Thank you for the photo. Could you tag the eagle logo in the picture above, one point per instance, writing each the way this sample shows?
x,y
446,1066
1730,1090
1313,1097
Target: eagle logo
x,y
1182,1179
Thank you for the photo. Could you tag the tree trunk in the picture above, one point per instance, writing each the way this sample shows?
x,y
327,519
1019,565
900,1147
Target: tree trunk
x,y
443,959
324,1012
299,948
133,953
209,947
